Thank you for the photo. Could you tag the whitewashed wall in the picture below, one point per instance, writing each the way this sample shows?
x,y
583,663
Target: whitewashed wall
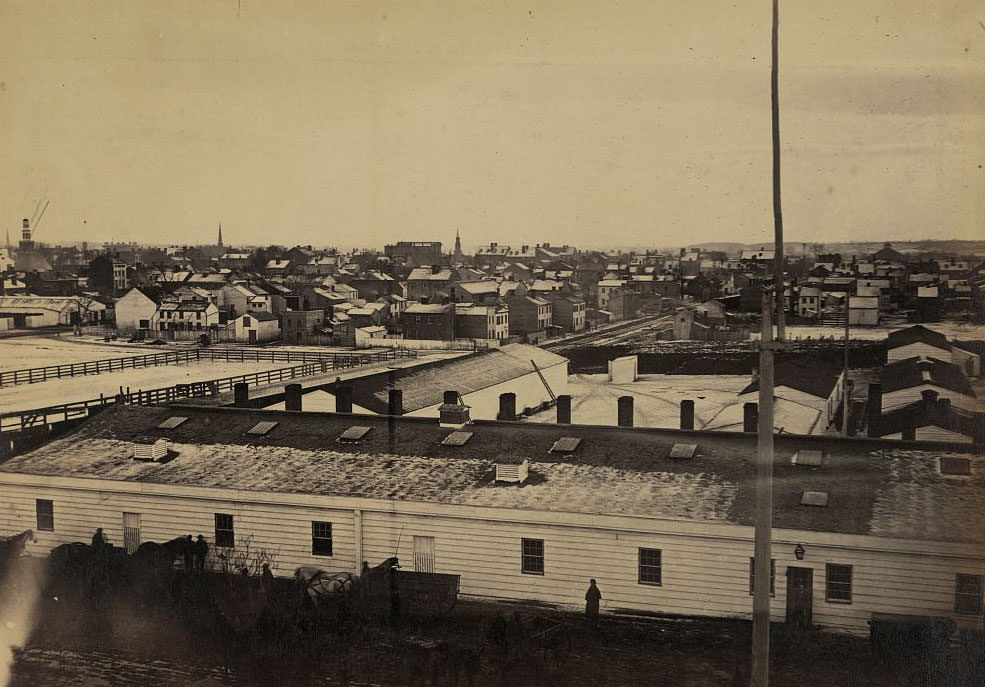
x,y
705,565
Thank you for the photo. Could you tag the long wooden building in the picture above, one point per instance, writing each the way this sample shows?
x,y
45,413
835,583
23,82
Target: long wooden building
x,y
662,519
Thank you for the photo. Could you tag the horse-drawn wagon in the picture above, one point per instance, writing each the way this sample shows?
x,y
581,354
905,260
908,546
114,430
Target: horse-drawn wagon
x,y
382,590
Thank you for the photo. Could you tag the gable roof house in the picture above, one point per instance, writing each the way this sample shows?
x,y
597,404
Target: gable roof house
x,y
904,381
134,311
901,530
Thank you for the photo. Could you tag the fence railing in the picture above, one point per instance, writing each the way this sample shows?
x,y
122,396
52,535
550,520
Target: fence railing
x,y
42,417
35,375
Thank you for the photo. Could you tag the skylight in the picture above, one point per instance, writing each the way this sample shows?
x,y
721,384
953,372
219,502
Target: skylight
x,y
955,466
565,445
807,457
814,498
262,428
172,422
457,439
682,451
354,433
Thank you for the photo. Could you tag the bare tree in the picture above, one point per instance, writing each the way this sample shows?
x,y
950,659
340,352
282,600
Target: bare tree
x,y
83,304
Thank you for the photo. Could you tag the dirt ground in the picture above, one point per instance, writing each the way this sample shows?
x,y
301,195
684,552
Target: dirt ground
x,y
124,639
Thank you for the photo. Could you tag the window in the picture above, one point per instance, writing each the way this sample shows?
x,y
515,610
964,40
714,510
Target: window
x,y
46,514
968,594
532,556
752,575
224,534
838,583
650,568
321,539
247,322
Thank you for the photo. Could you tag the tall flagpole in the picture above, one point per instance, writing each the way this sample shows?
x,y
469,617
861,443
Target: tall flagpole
x,y
760,673
777,212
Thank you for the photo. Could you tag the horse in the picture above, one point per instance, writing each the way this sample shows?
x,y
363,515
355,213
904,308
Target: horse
x,y
82,563
318,583
13,547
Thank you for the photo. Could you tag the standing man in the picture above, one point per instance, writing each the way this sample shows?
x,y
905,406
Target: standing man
x,y
592,598
201,553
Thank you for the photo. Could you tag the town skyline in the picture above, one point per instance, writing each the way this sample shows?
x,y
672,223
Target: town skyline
x,y
506,122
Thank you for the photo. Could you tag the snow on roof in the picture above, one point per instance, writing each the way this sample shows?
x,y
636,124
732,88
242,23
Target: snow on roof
x,y
876,489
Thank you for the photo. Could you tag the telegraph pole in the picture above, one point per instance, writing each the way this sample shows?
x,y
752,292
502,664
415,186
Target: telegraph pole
x,y
760,674
764,503
777,212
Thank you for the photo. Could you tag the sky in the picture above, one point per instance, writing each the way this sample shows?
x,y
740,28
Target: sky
x,y
594,124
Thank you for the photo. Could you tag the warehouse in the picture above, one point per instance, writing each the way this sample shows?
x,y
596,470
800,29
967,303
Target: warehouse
x,y
662,518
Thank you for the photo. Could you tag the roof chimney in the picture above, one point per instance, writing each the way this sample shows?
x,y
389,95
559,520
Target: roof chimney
x,y
687,414
292,397
625,411
343,399
564,409
750,417
452,412
241,395
507,406
395,402
929,397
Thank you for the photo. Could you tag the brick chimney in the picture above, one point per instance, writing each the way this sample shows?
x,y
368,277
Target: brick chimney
x,y
687,414
750,417
564,410
625,411
292,397
507,407
452,412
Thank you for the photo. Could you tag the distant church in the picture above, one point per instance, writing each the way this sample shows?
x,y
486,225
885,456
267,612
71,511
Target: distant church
x,y
29,258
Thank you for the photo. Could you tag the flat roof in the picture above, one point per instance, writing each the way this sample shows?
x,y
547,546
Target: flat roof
x,y
875,487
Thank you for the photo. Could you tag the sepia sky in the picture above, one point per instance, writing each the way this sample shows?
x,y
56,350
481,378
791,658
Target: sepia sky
x,y
619,123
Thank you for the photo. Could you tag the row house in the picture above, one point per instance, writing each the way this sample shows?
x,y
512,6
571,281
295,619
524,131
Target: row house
x,y
529,316
434,321
482,321
185,316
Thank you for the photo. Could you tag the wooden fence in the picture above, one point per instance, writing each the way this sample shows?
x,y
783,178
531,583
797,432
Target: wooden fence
x,y
34,375
43,417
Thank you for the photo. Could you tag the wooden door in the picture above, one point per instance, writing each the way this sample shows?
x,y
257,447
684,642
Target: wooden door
x,y
424,554
131,531
253,336
800,596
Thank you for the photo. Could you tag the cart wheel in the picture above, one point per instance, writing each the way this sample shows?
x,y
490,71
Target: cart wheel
x,y
555,651
435,604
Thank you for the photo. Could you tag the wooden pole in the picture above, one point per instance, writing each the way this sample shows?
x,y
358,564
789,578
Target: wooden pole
x,y
764,505
844,379
777,212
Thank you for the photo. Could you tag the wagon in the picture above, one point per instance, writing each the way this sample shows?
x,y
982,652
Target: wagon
x,y
384,590
524,638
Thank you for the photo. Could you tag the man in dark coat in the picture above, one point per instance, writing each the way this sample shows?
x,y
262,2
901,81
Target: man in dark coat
x,y
201,553
592,598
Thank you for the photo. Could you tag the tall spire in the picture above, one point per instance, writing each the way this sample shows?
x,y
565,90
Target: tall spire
x,y
458,255
219,243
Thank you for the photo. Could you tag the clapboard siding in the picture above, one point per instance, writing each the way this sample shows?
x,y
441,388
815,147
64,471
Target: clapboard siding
x,y
705,572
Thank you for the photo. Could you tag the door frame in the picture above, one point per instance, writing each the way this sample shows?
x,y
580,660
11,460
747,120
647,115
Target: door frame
x,y
803,617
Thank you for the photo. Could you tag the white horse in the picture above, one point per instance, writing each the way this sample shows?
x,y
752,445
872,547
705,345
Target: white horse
x,y
319,583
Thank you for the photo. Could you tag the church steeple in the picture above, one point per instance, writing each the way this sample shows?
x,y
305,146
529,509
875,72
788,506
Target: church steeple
x,y
458,256
219,242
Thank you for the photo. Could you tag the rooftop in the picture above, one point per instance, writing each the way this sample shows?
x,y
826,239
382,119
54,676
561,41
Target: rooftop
x,y
874,487
424,385
905,374
916,334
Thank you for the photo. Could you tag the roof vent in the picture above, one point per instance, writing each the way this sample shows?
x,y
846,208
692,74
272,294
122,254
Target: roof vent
x,y
456,439
172,422
261,428
155,452
565,445
354,434
682,451
814,498
955,466
810,458
512,469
